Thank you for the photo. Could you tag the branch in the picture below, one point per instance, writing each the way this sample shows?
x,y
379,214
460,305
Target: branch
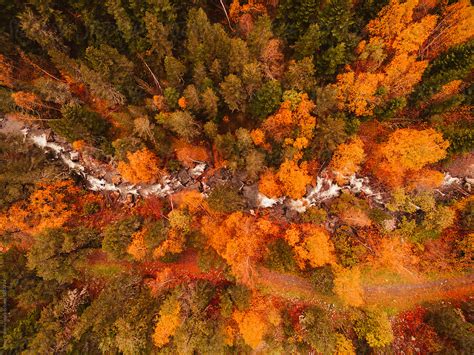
x,y
155,79
226,15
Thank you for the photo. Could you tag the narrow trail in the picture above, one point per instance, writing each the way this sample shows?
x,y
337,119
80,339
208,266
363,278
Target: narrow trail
x,y
396,295
297,289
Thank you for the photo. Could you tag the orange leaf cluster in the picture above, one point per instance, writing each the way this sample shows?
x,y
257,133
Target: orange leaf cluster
x,y
240,239
188,153
182,103
137,247
192,200
407,151
174,244
142,167
290,180
347,159
168,322
51,205
455,27
252,326
311,245
26,100
397,34
286,120
396,26
254,323
395,255
252,7
356,91
79,145
425,179
448,90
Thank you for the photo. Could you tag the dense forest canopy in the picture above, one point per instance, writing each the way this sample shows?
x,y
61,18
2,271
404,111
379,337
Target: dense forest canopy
x,y
216,177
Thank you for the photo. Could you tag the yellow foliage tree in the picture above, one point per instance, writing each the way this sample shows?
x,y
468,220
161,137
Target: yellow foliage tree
x,y
142,167
137,247
407,151
168,322
347,286
344,346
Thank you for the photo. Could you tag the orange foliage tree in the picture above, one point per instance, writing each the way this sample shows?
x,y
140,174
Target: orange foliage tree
x,y
448,90
406,152
311,245
142,167
27,100
293,178
51,205
240,239
455,26
388,66
399,29
347,159
252,7
252,326
180,223
269,184
255,322
425,179
137,247
395,255
356,91
290,121
290,180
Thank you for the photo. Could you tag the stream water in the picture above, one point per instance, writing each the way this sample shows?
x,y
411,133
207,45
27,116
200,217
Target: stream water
x,y
325,187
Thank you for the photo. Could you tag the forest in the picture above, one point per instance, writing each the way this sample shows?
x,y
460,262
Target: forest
x,y
237,177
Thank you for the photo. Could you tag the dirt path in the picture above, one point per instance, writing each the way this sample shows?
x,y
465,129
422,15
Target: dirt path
x,y
400,295
297,289
396,295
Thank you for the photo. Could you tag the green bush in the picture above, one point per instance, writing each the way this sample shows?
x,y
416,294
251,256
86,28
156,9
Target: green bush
x,y
225,199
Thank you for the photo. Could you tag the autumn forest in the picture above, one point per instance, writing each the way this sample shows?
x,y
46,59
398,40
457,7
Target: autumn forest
x,y
237,177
